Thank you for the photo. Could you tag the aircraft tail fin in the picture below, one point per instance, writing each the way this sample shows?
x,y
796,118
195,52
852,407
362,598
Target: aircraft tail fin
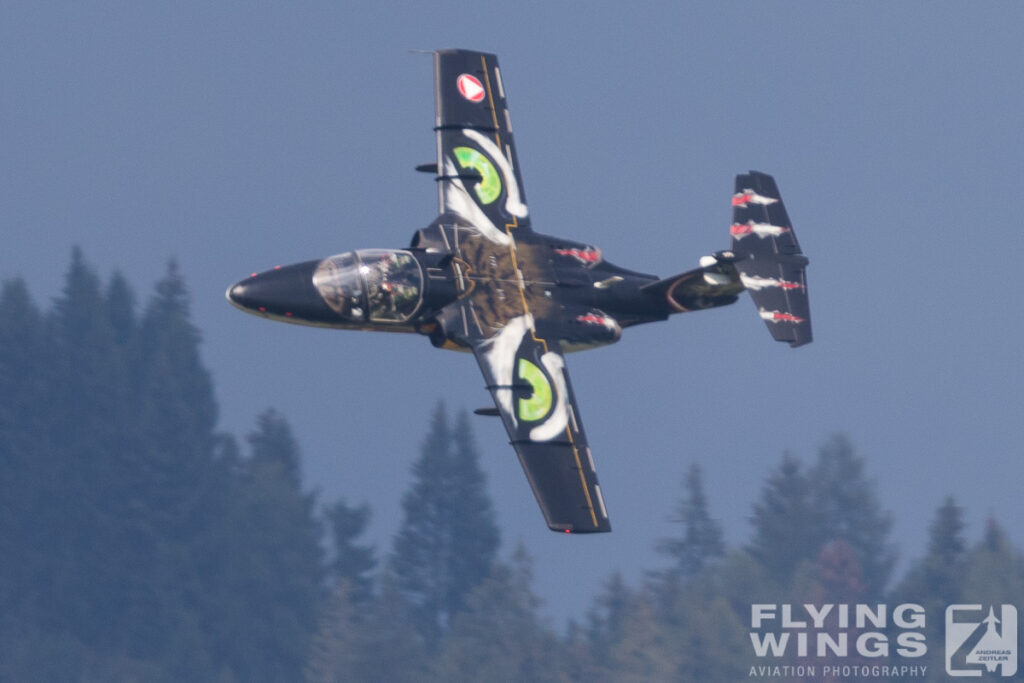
x,y
768,257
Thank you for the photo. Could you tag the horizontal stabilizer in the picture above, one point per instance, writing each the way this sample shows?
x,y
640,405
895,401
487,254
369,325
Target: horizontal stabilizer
x,y
768,257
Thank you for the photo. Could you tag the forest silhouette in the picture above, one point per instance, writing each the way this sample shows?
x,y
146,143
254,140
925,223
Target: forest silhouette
x,y
138,543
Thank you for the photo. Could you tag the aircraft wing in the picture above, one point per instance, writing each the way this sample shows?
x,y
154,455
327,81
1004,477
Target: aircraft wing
x,y
504,275
527,378
478,173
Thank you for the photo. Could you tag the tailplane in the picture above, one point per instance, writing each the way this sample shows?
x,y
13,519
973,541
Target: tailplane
x,y
768,257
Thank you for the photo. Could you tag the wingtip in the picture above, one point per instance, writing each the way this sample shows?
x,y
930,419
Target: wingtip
x,y
570,529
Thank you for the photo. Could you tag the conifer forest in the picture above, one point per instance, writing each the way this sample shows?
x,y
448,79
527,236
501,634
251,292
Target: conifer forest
x,y
139,543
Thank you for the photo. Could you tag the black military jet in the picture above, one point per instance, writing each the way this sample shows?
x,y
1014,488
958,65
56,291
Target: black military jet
x,y
479,279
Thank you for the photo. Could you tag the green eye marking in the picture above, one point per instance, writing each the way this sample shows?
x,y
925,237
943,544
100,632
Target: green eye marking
x,y
537,406
489,187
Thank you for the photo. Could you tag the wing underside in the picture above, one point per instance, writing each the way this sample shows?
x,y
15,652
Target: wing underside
x,y
478,173
528,380
504,312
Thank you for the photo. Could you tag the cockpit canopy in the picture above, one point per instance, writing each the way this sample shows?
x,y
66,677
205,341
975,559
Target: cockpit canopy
x,y
379,285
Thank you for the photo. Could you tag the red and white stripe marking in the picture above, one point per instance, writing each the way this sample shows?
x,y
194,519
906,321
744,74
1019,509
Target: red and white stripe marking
x,y
750,197
595,319
779,317
762,230
757,283
589,256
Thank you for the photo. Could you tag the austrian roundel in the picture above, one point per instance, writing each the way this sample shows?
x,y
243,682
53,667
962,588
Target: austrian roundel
x,y
470,87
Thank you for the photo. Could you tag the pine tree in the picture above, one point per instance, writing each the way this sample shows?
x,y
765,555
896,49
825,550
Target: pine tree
x,y
845,505
120,304
784,528
995,570
352,562
177,413
707,641
644,652
448,538
147,547
172,485
471,518
936,580
938,576
337,647
179,410
389,645
78,432
22,354
268,572
608,617
499,635
701,541
696,625
944,564
742,582
89,409
122,449
273,448
26,470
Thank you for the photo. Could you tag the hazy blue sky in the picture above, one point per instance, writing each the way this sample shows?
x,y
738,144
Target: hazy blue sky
x,y
237,136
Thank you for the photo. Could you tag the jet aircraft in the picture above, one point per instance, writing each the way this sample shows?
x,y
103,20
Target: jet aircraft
x,y
479,279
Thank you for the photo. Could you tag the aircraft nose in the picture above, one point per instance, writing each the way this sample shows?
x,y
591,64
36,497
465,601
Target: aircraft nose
x,y
249,294
237,294
284,292
254,293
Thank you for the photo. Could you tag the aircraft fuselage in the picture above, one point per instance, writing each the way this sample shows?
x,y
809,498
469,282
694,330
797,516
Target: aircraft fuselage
x,y
405,290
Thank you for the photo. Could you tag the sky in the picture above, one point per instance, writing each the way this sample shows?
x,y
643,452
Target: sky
x,y
236,136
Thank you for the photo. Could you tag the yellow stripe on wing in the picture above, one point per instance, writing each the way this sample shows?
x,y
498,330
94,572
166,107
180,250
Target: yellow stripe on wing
x,y
522,290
